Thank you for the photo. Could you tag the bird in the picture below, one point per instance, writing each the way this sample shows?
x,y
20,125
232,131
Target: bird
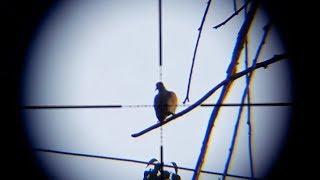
x,y
165,102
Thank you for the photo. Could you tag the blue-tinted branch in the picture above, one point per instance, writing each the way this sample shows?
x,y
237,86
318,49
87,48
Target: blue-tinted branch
x,y
195,51
233,15
235,76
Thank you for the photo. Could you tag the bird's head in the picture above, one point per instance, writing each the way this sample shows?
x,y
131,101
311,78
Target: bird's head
x,y
159,86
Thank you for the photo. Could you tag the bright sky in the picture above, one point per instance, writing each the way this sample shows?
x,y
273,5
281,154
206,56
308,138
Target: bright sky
x,y
106,52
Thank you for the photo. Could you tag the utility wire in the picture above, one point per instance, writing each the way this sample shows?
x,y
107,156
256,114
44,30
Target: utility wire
x,y
128,160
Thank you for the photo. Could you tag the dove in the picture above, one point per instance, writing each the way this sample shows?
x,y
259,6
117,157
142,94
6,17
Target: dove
x,y
165,102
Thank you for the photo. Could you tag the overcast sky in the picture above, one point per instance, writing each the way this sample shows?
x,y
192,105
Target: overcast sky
x,y
106,52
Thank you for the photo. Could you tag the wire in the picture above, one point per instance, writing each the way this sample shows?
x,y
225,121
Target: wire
x,y
128,160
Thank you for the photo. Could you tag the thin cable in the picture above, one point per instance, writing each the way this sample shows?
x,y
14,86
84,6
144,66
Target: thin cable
x,y
127,160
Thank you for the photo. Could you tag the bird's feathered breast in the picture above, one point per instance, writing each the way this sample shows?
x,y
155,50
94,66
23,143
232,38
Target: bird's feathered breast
x,y
165,103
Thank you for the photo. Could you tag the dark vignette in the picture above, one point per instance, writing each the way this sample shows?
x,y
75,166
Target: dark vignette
x,y
21,19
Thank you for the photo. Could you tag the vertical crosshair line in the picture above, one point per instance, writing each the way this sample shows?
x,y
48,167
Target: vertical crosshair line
x,y
160,40
160,79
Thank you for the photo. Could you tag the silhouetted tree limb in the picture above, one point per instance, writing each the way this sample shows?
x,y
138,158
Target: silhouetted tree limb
x,y
235,5
243,98
233,15
232,69
249,116
195,50
208,94
249,108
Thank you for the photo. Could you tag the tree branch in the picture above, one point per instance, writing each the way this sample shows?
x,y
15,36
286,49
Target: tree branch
x,y
249,109
233,77
235,5
243,98
249,118
195,51
234,14
232,69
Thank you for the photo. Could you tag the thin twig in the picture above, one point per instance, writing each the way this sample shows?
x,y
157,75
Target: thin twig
x,y
235,76
241,38
233,15
244,95
249,108
232,69
234,136
249,113
195,50
235,5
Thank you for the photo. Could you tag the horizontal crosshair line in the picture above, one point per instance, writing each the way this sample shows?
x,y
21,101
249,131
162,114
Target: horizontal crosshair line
x,y
146,106
130,160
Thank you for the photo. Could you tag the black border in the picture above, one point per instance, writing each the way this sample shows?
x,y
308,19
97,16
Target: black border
x,y
293,18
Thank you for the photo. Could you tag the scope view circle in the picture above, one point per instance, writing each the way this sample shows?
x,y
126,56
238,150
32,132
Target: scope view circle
x,y
90,78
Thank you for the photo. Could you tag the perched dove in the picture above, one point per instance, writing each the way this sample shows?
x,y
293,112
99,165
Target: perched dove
x,y
165,102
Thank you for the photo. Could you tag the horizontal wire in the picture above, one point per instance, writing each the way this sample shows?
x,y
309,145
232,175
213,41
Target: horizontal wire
x,y
147,106
130,160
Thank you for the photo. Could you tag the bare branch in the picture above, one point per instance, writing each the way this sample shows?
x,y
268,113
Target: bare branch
x,y
249,115
249,108
235,5
233,15
206,96
232,69
244,95
195,51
